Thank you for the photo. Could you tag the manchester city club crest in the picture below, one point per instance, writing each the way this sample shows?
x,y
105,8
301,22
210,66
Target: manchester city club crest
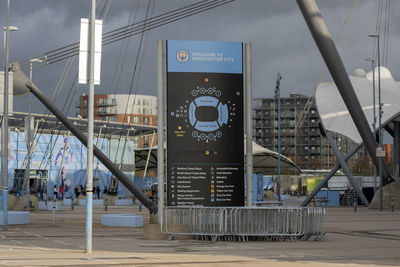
x,y
182,56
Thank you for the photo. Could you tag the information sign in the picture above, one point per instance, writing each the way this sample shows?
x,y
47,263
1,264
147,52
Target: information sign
x,y
205,140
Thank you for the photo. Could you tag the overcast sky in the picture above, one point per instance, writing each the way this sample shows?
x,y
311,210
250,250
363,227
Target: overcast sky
x,y
280,39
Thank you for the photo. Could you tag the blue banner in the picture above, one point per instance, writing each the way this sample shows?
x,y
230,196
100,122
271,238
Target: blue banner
x,y
204,56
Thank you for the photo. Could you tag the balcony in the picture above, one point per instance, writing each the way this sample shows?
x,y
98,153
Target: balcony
x,y
106,102
106,111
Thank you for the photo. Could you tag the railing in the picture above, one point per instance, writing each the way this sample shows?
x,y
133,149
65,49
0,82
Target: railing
x,y
245,223
106,102
106,111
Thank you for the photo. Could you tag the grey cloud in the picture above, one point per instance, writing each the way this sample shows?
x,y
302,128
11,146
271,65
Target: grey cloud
x,y
281,41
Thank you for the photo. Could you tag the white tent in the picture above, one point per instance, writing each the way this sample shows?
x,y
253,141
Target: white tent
x,y
264,160
334,113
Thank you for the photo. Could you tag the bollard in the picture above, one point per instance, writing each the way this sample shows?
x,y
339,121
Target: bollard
x,y
72,204
106,204
140,207
392,204
54,212
355,205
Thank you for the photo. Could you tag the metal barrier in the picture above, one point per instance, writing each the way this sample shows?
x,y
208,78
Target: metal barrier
x,y
245,223
268,203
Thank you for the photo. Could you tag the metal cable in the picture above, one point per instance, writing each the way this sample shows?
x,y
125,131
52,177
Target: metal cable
x,y
54,96
136,28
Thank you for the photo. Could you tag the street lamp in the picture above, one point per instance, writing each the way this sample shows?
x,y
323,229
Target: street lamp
x,y
278,97
380,122
29,137
373,98
4,161
31,61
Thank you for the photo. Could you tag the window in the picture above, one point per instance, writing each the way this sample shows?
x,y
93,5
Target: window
x,y
146,121
136,120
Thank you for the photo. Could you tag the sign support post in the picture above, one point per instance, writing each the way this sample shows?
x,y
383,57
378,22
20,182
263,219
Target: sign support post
x,y
249,126
89,182
160,130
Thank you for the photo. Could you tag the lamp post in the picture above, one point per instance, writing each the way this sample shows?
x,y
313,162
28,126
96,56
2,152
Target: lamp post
x,y
278,97
31,61
380,122
89,183
4,161
373,99
29,137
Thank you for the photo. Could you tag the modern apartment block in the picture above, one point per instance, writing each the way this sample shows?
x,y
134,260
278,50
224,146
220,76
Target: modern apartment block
x,y
301,139
124,108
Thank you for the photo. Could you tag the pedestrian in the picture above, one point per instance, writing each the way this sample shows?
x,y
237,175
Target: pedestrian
x,y
39,190
61,191
77,191
105,190
83,192
18,191
98,192
55,191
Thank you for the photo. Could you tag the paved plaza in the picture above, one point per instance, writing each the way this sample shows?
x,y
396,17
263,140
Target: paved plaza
x,y
365,238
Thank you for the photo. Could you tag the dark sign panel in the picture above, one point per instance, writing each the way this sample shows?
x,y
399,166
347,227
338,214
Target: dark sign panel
x,y
205,150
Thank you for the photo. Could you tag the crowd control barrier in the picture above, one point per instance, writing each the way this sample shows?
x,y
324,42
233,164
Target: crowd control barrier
x,y
245,223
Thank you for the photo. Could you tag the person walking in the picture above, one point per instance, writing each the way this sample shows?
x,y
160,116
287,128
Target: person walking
x,y
55,191
105,190
77,191
98,192
61,191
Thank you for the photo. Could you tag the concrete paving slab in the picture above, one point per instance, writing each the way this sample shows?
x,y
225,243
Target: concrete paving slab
x,y
365,238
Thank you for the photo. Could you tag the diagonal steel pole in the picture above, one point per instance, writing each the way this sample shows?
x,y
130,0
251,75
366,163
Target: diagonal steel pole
x,y
329,176
346,170
327,48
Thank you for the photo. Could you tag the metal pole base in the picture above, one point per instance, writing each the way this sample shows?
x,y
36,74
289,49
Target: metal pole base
x,y
89,222
5,209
